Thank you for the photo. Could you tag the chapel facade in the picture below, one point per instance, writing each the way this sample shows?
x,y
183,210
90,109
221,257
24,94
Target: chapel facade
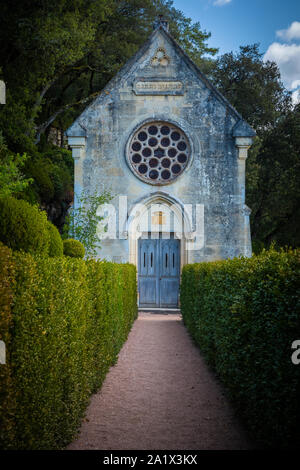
x,y
172,151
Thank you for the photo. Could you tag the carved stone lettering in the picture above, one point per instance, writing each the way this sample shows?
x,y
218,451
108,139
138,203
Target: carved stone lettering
x,y
158,87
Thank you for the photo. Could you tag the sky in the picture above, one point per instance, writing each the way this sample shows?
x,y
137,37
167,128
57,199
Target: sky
x,y
275,24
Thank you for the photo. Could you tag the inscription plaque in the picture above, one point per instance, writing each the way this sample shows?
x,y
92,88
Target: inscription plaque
x,y
158,87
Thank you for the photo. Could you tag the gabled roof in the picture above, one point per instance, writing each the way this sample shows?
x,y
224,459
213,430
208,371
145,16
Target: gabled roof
x,y
241,127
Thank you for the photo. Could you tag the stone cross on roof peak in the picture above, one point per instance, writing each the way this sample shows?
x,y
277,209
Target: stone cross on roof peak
x,y
161,21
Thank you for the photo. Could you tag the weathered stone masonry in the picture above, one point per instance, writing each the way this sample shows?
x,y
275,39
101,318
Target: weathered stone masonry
x,y
161,84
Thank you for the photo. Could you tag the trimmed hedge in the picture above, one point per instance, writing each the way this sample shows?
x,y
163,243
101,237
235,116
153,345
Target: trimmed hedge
x,y
23,227
56,247
244,315
66,321
7,399
73,248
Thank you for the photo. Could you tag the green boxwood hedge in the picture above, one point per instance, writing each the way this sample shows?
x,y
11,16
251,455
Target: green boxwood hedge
x,y
7,399
64,321
244,314
25,227
56,247
73,248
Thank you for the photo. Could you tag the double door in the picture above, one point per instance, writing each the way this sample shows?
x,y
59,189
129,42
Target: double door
x,y
159,272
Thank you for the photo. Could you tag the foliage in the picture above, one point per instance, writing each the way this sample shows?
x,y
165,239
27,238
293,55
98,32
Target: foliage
x,y
73,248
273,183
61,344
82,221
23,227
42,40
12,181
66,51
55,243
52,172
7,399
244,315
252,86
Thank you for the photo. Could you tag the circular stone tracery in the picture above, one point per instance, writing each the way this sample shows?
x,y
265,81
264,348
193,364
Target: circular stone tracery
x,y
158,152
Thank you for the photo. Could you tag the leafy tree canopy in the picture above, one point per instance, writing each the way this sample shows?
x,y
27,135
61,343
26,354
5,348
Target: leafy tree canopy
x,y
252,86
82,222
65,51
12,179
255,89
273,183
57,56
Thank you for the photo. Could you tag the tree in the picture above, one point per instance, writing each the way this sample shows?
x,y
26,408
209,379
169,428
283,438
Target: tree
x,y
82,222
252,86
42,41
117,39
56,57
12,180
255,89
65,51
274,190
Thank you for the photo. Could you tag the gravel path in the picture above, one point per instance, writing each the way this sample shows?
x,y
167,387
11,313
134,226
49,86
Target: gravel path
x,y
160,395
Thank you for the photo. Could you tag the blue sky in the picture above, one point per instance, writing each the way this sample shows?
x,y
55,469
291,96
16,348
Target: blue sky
x,y
275,24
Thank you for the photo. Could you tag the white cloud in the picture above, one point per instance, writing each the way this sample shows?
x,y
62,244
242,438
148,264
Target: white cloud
x,y
296,97
295,84
292,32
220,3
287,57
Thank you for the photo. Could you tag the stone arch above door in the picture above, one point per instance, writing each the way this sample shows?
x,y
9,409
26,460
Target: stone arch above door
x,y
158,213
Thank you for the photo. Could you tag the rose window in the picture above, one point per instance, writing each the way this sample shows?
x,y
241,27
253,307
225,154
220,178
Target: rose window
x,y
158,152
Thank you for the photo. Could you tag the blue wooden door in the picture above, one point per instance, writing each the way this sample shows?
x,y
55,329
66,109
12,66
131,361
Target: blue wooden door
x,y
159,271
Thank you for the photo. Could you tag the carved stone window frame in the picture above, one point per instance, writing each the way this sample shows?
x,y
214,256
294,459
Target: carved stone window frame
x,y
160,181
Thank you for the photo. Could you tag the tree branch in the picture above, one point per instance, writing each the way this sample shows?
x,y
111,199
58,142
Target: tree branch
x,y
281,223
77,68
41,129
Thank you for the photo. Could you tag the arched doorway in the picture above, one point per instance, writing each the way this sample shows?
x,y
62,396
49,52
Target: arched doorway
x,y
158,232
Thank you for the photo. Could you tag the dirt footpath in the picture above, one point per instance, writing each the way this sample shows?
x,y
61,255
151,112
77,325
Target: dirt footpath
x,y
160,395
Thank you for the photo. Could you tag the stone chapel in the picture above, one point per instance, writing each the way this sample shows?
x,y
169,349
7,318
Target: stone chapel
x,y
172,151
